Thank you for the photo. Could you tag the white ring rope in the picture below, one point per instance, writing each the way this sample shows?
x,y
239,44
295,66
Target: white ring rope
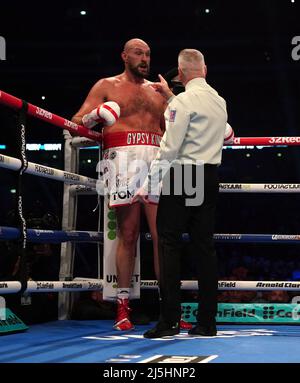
x,y
12,163
223,188
234,285
46,286
89,184
88,284
258,188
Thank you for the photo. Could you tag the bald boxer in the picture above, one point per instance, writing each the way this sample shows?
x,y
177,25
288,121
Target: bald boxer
x,y
136,134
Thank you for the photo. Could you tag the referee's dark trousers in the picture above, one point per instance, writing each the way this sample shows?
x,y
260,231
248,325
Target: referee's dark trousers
x,y
173,219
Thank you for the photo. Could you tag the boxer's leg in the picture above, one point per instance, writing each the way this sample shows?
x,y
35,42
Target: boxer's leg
x,y
128,218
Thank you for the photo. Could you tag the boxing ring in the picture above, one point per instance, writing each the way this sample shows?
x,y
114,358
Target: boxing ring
x,y
70,341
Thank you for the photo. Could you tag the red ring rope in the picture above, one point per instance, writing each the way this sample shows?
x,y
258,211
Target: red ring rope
x,y
80,130
42,114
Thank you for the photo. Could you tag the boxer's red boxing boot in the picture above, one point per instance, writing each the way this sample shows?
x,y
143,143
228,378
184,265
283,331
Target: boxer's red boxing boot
x,y
123,322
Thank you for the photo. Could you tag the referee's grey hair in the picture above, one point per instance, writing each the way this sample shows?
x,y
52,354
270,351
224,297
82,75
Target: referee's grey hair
x,y
191,60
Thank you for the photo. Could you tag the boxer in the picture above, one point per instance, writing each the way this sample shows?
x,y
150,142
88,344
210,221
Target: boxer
x,y
134,135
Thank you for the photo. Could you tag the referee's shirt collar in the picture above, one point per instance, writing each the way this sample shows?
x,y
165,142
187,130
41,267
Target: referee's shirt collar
x,y
197,81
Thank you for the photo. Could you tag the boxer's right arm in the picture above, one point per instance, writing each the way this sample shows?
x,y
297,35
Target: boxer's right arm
x,y
96,96
229,135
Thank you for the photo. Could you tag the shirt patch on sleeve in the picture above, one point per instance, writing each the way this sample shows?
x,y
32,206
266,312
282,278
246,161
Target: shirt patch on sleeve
x,y
172,115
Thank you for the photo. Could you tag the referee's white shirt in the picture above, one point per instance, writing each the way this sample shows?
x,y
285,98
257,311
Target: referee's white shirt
x,y
195,127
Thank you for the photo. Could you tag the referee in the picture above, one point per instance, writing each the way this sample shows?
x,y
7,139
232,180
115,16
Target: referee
x,y
193,140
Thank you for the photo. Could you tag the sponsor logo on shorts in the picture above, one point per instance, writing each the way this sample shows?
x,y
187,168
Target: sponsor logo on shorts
x,y
113,155
143,139
3,285
121,181
2,159
123,194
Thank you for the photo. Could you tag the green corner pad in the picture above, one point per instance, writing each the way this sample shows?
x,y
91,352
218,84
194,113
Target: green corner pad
x,y
112,214
10,323
112,235
248,313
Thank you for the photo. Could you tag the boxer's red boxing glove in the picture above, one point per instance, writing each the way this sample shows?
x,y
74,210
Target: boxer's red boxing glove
x,y
106,114
229,135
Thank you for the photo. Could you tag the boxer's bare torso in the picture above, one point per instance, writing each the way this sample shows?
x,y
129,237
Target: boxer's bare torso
x,y
141,106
